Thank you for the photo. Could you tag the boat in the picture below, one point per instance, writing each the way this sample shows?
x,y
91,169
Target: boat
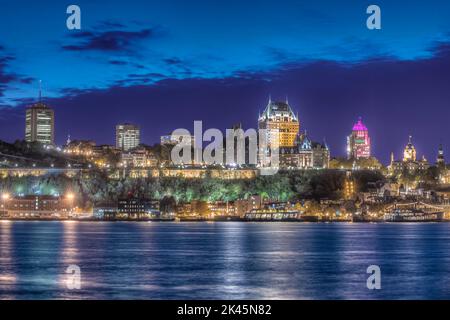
x,y
272,215
413,215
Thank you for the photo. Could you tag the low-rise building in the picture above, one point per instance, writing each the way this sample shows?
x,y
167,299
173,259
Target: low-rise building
x,y
305,155
138,158
38,206
80,147
137,208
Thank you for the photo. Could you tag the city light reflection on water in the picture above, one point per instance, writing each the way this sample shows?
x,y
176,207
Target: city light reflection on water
x,y
229,260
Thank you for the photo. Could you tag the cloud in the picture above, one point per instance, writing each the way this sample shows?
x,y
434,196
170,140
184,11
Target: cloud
x,y
118,62
110,41
395,98
7,77
172,61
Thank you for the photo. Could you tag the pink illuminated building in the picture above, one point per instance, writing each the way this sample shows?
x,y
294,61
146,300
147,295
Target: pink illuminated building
x,y
358,143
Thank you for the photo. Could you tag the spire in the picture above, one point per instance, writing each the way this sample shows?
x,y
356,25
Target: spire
x,y
287,100
40,91
270,98
410,139
325,143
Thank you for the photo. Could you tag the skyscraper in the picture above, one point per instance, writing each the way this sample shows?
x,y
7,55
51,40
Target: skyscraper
x,y
40,123
358,142
127,136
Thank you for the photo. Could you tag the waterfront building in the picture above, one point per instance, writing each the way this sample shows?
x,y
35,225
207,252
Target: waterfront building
x,y
193,210
105,211
358,142
222,209
137,208
128,136
242,206
306,154
40,123
38,206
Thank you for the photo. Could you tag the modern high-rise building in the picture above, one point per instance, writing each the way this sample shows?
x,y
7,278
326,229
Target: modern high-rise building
x,y
281,124
40,124
128,136
358,142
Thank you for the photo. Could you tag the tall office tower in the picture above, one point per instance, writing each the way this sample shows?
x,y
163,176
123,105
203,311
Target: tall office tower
x,y
40,123
127,136
358,142
281,124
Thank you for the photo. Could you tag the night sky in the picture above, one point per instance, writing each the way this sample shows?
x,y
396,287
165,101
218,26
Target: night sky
x,y
164,64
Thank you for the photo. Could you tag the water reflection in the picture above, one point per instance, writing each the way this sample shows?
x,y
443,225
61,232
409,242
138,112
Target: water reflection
x,y
69,253
223,260
8,278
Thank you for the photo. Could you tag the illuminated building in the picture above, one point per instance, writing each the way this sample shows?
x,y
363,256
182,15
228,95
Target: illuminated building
x,y
246,205
409,154
80,147
440,161
39,206
409,162
305,155
281,124
40,123
138,158
358,142
128,136
349,187
137,208
172,139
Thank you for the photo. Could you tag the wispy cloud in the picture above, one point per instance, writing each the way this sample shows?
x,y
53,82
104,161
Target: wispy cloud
x,y
110,41
8,77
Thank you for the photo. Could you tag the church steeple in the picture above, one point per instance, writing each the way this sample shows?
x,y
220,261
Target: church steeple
x,y
440,157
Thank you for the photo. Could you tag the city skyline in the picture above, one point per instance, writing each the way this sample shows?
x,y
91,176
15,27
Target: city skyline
x,y
125,70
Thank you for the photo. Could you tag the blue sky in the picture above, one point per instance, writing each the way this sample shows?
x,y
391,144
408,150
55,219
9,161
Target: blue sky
x,y
127,44
208,39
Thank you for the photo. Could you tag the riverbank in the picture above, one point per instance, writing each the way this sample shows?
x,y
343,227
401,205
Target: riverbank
x,y
221,220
